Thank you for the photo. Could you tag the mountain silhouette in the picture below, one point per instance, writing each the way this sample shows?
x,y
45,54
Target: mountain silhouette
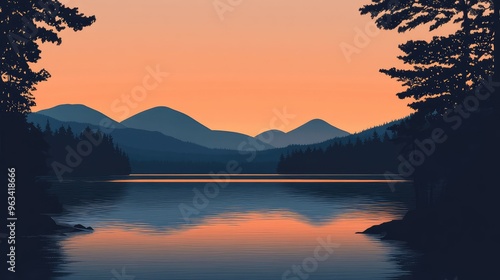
x,y
80,114
151,150
312,132
181,126
132,141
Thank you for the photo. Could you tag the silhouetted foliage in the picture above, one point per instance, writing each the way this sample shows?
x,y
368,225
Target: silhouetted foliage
x,y
373,156
454,178
93,152
446,69
24,25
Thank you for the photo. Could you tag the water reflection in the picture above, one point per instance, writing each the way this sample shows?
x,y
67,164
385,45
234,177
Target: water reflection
x,y
157,205
294,181
248,231
37,258
252,245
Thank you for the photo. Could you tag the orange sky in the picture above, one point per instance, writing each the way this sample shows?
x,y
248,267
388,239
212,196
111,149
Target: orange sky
x,y
230,74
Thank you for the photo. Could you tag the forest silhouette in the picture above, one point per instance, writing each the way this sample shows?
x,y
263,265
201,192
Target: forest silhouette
x,y
449,144
374,155
92,153
453,80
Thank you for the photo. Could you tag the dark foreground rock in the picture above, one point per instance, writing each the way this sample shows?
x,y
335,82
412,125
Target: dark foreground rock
x,y
440,230
414,228
453,243
80,227
42,225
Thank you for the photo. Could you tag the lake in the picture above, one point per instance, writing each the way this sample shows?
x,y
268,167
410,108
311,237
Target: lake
x,y
245,227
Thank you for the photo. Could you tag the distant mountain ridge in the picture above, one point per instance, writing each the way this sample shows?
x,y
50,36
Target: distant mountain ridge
x,y
182,127
128,138
80,114
153,151
312,132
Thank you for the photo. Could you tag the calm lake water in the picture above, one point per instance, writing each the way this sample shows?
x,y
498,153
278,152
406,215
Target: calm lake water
x,y
249,227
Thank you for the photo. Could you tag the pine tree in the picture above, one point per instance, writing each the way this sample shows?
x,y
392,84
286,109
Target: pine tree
x,y
375,137
48,130
24,25
445,69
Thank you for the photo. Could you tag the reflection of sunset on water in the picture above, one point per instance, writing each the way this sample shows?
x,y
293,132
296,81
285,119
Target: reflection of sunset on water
x,y
248,231
232,236
256,181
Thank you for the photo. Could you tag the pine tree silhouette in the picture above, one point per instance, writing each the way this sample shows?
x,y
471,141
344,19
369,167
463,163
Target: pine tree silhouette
x,y
24,25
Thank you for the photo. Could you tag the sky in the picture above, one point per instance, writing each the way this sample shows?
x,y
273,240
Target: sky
x,y
235,65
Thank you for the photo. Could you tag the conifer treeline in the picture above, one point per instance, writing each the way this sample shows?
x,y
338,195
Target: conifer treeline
x,y
373,155
98,154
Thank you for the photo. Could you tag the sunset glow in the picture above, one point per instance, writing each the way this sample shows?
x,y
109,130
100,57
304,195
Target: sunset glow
x,y
231,74
279,232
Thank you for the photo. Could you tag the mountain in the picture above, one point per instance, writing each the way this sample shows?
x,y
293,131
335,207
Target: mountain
x,y
153,151
167,121
133,141
363,135
273,155
312,132
181,126
80,114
